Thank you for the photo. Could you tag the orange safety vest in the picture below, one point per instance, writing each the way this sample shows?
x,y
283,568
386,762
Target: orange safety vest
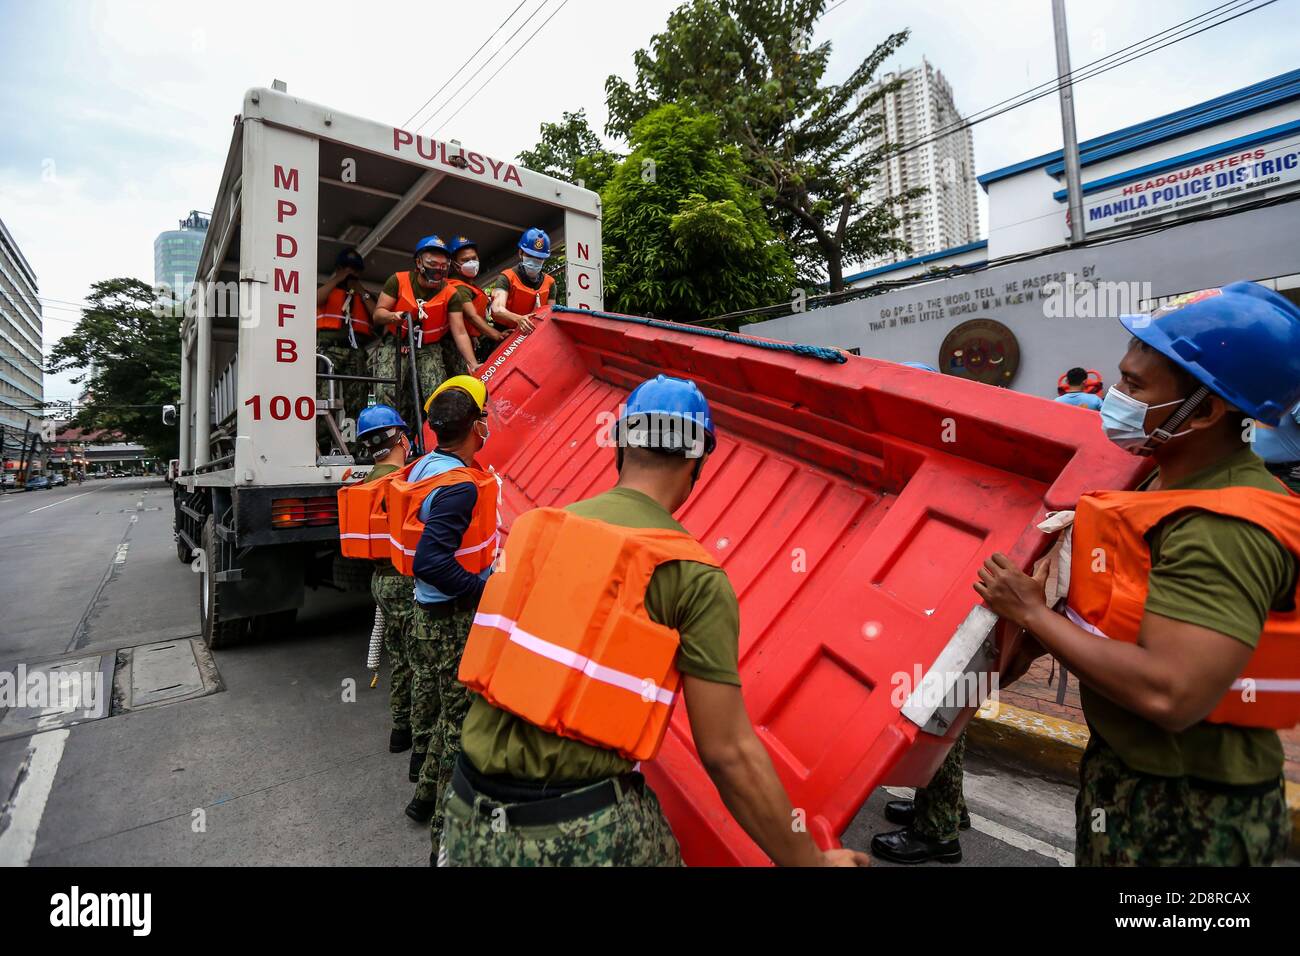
x,y
478,547
480,304
363,517
1110,602
344,308
562,638
524,299
433,317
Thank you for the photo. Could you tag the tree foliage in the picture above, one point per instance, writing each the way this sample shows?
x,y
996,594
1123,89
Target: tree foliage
x,y
128,356
810,148
569,150
684,237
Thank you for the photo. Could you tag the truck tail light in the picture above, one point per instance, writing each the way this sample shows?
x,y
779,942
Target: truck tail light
x,y
304,512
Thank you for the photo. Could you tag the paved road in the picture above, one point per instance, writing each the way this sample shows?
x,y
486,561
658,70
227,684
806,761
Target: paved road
x,y
276,768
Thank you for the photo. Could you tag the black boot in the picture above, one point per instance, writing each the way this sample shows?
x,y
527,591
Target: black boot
x,y
903,812
420,810
908,846
399,740
417,761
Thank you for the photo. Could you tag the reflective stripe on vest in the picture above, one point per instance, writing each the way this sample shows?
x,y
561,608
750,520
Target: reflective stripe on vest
x,y
341,304
1109,583
479,301
433,316
477,548
562,638
523,298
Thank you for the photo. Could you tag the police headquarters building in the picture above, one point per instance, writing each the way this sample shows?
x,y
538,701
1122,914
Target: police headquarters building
x,y
1198,198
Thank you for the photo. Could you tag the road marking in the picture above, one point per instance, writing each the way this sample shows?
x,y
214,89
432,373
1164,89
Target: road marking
x,y
120,557
1002,833
73,498
26,805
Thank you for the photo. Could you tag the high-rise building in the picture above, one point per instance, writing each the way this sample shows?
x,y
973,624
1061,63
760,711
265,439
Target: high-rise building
x,y
948,213
22,381
176,254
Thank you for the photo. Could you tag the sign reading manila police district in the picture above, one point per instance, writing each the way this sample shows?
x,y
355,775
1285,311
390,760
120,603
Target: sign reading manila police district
x,y
983,350
1233,174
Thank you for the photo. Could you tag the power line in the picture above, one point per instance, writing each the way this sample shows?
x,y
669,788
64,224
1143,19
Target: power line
x,y
1024,102
429,119
493,76
463,65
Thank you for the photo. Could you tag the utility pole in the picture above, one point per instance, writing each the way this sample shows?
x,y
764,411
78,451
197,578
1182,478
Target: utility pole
x,y
1074,190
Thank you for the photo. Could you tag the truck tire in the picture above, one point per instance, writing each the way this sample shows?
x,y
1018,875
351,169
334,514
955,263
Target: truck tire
x,y
217,633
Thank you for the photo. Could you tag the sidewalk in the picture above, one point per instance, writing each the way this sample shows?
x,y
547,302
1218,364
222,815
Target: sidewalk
x,y
1035,724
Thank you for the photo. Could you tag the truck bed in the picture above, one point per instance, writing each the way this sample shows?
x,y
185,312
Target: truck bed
x,y
850,501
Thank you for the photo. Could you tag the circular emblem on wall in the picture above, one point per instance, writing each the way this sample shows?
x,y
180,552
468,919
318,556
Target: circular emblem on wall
x,y
983,350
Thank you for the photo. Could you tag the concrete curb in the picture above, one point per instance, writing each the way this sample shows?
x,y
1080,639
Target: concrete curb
x,y
1054,746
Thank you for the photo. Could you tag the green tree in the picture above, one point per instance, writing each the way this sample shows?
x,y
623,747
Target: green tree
x,y
684,238
135,356
569,150
811,149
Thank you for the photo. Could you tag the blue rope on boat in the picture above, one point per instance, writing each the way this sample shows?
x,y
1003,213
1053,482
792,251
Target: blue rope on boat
x,y
808,351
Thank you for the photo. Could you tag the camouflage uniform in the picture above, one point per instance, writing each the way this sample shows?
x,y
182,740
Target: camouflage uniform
x,y
941,803
435,659
347,361
1146,820
392,593
632,832
388,360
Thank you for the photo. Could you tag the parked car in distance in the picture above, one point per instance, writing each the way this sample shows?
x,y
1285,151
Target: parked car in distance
x,y
38,483
57,479
9,480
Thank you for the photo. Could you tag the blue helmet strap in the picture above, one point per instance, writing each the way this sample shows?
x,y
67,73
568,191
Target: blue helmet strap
x,y
1170,427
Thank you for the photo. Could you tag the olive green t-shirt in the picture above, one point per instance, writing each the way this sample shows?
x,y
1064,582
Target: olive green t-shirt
x,y
694,599
1217,572
454,304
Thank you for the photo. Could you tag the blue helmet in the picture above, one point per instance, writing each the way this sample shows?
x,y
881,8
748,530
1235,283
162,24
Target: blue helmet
x,y
350,259
1241,341
433,243
536,243
459,243
665,397
377,418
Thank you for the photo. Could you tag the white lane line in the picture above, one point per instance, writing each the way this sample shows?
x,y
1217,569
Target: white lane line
x,y
65,500
27,804
1004,834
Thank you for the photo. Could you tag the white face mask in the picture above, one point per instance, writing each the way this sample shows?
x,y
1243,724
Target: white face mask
x,y
531,266
1123,419
487,431
469,268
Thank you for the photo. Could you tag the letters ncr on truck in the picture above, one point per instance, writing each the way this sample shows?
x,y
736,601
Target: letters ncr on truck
x,y
256,490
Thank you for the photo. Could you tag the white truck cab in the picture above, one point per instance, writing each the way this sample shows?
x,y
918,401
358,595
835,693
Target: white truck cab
x,y
255,497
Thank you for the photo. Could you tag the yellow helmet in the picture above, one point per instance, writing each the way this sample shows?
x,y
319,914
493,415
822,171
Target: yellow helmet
x,y
466,383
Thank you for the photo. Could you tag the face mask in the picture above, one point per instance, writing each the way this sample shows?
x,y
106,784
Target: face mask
x,y
1123,419
487,431
532,266
469,268
435,273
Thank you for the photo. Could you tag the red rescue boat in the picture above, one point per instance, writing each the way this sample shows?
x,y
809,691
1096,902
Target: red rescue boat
x,y
851,502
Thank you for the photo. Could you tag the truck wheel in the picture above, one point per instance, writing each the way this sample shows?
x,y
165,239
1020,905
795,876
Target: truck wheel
x,y
217,632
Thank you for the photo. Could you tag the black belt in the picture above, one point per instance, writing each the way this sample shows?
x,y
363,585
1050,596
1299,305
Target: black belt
x,y
534,805
445,609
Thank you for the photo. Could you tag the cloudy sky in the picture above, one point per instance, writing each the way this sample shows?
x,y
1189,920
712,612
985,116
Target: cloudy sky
x,y
115,116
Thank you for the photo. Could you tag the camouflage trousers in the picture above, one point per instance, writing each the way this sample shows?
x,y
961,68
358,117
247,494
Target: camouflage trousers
x,y
347,361
435,363
941,802
392,593
631,832
435,659
1127,818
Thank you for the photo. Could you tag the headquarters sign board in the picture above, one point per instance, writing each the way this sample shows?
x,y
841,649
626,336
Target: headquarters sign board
x,y
1233,174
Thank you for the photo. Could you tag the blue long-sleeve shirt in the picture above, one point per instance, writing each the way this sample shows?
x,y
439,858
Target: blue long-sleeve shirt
x,y
446,514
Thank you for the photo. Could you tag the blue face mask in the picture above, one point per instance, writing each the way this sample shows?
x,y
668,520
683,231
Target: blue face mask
x,y
531,266
1123,419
